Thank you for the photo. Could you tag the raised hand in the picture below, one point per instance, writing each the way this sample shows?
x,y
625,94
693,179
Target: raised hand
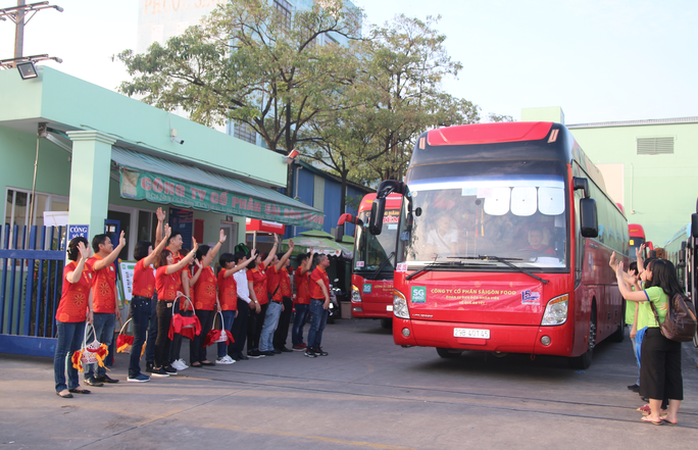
x,y
253,253
83,250
168,231
222,237
160,214
122,239
194,245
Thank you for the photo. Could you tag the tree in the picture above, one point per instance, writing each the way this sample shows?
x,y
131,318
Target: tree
x,y
250,62
500,117
393,99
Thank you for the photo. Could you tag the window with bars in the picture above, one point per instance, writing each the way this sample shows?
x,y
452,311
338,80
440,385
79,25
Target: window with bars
x,y
655,146
245,132
283,12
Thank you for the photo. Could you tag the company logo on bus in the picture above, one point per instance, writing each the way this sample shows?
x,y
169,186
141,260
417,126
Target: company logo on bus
x,y
529,297
419,294
391,216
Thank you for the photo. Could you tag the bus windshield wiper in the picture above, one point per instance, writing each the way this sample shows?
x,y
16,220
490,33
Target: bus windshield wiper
x,y
506,261
383,264
431,266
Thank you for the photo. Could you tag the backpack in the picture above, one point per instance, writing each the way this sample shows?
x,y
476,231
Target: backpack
x,y
242,248
680,322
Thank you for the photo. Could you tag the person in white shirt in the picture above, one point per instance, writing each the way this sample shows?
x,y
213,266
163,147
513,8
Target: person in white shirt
x,y
246,301
443,239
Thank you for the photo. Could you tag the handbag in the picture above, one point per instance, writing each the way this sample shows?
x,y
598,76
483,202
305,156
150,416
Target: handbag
x,y
680,322
124,342
216,335
92,353
187,326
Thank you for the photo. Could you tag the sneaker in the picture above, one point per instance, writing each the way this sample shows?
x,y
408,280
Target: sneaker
x,y
105,379
140,378
310,353
284,349
255,354
171,371
298,348
225,360
149,366
93,382
320,352
159,372
276,351
267,353
240,357
634,388
179,364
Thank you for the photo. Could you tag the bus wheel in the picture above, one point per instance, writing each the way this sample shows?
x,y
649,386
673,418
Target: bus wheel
x,y
583,361
448,353
387,323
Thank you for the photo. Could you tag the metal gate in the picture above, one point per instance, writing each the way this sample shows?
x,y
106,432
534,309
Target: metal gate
x,y
31,276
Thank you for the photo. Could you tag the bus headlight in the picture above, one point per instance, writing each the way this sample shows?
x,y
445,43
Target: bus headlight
x,y
556,311
355,294
400,305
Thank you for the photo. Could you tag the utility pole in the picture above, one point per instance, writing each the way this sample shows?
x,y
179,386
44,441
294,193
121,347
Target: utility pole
x,y
19,29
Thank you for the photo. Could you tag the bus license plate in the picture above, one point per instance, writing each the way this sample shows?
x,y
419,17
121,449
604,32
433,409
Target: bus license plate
x,y
471,333
388,307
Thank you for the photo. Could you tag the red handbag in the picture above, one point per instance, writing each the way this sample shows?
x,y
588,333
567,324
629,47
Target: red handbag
x,y
216,335
187,326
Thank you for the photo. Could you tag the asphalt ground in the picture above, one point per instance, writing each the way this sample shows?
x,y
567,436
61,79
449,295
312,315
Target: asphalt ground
x,y
368,393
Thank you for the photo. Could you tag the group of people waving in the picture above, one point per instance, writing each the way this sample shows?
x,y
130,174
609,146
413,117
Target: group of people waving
x,y
251,294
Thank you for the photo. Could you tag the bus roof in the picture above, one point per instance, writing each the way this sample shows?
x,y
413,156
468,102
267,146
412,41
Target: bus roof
x,y
393,201
487,133
636,230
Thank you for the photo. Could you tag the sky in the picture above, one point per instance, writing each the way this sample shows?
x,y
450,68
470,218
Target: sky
x,y
600,60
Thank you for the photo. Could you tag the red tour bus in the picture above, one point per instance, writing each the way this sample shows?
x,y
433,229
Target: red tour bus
x,y
504,239
373,265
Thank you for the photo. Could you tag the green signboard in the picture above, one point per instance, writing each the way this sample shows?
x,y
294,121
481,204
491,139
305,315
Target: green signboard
x,y
141,185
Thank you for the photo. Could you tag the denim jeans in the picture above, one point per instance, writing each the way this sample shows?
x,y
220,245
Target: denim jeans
x,y
152,331
228,320
140,315
298,323
69,336
239,330
318,320
271,321
639,337
104,330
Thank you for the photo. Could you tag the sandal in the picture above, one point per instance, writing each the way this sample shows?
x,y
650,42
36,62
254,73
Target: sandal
x,y
64,394
79,391
196,364
207,363
653,422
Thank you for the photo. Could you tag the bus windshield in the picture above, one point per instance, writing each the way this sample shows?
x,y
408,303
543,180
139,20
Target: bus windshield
x,y
520,218
374,252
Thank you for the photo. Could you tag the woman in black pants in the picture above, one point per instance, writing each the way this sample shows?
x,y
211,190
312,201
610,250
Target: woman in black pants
x,y
167,282
660,366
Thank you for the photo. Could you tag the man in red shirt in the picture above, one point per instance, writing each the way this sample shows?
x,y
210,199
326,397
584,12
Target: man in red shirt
x,y
319,305
106,304
301,280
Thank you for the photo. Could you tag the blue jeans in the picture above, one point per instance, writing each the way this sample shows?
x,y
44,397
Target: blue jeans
x,y
228,319
639,337
69,336
152,331
271,321
637,357
318,320
298,323
104,330
140,315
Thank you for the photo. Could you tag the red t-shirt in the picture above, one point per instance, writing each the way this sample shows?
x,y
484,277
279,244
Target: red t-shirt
x,y
205,290
302,291
167,285
274,283
315,289
73,305
143,280
227,292
259,282
103,287
285,283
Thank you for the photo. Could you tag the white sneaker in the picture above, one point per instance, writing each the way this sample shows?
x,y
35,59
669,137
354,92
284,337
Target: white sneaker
x,y
225,360
179,364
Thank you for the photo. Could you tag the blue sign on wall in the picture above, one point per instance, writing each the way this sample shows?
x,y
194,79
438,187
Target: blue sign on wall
x,y
78,230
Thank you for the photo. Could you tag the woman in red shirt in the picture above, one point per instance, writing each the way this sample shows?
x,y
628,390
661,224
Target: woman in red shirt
x,y
74,307
167,282
140,308
257,275
206,295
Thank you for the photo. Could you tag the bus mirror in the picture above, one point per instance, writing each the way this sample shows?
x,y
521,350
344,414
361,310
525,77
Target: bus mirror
x,y
682,257
694,225
344,218
587,217
581,183
375,224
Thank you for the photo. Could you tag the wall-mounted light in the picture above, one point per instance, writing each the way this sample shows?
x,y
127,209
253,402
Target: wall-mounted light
x,y
27,70
26,65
